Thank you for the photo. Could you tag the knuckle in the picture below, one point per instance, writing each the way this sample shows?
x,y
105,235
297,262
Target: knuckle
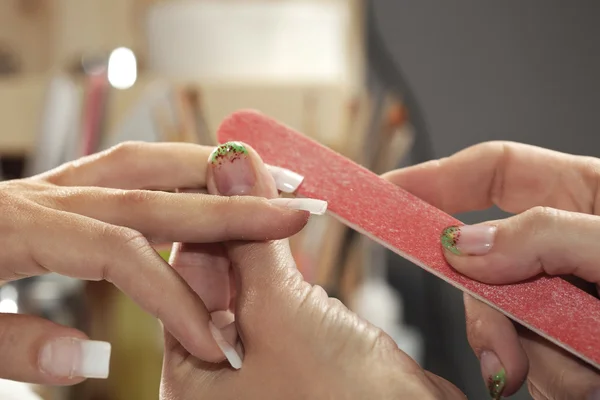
x,y
59,197
540,220
226,207
127,239
125,150
134,198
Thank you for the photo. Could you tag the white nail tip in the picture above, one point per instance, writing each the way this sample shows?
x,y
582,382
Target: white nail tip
x,y
95,359
314,206
286,181
230,353
71,357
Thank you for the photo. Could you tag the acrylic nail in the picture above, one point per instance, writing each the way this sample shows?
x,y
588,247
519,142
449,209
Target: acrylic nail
x,y
475,240
286,181
494,373
314,206
235,359
75,358
233,171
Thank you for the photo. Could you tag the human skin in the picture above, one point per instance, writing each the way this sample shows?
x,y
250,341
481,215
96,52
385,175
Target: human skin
x,y
94,219
291,340
556,202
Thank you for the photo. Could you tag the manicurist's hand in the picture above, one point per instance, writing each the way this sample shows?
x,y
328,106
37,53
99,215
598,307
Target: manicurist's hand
x,y
94,219
555,231
284,338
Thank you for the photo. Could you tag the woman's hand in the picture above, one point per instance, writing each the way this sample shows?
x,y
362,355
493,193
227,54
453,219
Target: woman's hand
x,y
295,342
555,231
94,219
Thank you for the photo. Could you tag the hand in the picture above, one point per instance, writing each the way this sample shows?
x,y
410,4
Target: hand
x,y
295,342
94,219
556,199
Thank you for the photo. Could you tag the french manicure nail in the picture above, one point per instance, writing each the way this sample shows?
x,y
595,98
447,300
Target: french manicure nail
x,y
75,358
230,353
233,170
475,240
494,373
286,181
314,206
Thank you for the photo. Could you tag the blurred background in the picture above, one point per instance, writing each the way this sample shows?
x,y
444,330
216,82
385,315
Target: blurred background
x,y
387,83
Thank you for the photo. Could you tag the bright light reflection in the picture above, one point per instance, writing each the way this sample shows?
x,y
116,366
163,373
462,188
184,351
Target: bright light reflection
x,y
122,68
9,306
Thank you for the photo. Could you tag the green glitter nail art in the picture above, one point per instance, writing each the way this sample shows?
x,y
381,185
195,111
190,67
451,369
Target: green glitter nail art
x,y
449,239
229,151
496,384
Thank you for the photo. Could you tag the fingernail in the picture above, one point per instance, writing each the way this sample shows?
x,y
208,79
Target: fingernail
x,y
475,240
493,371
222,318
594,395
314,206
75,358
286,181
233,171
228,350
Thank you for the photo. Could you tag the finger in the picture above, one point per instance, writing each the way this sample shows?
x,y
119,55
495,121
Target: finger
x,y
137,165
494,340
38,351
124,257
556,375
180,217
512,176
156,166
237,169
205,268
541,240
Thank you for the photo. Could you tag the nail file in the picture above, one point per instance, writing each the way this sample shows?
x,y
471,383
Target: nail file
x,y
410,227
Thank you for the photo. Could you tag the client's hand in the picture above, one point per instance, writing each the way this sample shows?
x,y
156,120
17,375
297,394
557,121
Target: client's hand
x,y
93,219
556,230
295,342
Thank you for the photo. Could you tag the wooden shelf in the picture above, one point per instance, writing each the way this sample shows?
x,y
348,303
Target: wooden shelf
x,y
317,109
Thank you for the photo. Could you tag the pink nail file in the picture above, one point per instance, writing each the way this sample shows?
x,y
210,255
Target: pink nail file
x,y
410,227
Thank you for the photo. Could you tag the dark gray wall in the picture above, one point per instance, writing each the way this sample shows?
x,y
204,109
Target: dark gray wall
x,y
488,70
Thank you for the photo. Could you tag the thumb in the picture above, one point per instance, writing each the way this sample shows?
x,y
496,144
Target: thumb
x,y
540,240
39,351
236,169
259,267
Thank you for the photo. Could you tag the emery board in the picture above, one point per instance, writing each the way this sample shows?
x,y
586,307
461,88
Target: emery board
x,y
411,228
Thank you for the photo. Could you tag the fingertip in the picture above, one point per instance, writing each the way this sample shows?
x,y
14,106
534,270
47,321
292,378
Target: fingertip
x,y
494,339
477,252
203,347
235,168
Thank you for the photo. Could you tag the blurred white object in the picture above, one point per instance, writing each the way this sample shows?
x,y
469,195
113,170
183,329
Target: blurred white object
x,y
10,390
122,68
57,140
298,41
